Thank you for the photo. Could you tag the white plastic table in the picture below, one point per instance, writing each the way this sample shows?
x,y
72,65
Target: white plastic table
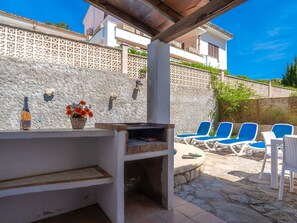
x,y
274,162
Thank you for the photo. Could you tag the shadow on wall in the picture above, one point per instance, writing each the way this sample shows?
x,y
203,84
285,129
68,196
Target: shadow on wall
x,y
48,98
135,93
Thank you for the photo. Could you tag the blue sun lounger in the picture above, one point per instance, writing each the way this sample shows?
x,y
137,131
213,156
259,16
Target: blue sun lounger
x,y
279,129
246,135
203,130
223,132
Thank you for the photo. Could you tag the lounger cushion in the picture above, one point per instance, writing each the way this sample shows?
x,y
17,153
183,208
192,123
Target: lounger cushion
x,y
248,131
207,138
258,145
186,135
231,141
224,130
282,130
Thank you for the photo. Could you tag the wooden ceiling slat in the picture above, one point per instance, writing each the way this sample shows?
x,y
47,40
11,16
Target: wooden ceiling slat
x,y
185,7
123,16
163,9
209,11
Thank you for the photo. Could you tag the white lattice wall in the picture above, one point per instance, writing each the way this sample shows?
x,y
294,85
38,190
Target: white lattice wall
x,y
260,89
188,76
180,74
20,43
40,47
134,64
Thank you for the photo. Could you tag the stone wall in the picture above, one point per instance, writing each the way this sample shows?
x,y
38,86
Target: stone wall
x,y
262,111
190,106
19,77
37,46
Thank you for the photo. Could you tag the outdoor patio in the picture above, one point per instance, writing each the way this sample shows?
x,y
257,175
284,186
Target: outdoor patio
x,y
230,189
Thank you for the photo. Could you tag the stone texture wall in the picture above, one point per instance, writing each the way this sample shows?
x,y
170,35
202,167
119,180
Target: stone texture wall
x,y
22,77
190,106
19,77
37,46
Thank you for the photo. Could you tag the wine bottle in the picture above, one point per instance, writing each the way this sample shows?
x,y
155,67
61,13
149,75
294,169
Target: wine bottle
x,y
25,116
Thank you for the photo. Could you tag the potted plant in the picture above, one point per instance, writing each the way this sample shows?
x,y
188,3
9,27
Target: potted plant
x,y
142,72
78,114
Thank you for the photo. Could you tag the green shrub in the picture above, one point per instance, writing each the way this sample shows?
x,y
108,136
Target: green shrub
x,y
143,72
137,52
201,66
230,95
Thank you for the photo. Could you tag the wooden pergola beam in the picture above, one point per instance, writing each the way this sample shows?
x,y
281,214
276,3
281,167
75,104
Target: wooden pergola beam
x,y
203,15
123,16
164,9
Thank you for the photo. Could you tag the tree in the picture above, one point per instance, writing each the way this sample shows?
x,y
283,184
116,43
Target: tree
x,y
290,78
62,25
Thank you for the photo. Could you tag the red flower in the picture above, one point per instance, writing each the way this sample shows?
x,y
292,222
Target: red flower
x,y
78,110
82,103
83,113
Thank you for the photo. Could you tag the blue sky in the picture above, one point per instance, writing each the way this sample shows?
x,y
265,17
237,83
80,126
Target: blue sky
x,y
69,11
264,30
264,37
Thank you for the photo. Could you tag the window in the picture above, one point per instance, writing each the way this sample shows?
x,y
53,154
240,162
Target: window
x,y
213,51
183,46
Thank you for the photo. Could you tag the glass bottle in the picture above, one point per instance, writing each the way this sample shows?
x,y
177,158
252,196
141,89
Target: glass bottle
x,y
25,116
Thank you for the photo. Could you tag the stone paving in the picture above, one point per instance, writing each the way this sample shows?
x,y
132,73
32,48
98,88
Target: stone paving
x,y
230,189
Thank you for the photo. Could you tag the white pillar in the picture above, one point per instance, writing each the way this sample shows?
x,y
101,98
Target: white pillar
x,y
124,58
158,83
269,89
109,34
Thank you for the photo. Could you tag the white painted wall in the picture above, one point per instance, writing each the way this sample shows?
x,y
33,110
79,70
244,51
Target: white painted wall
x,y
93,18
132,38
191,42
110,35
221,43
184,55
17,21
98,37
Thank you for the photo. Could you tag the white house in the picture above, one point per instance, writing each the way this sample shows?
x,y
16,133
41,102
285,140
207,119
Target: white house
x,y
206,44
29,24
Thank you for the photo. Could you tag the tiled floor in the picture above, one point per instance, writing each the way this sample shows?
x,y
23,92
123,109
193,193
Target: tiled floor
x,y
140,210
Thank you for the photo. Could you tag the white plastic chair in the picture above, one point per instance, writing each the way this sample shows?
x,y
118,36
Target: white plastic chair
x,y
267,139
289,162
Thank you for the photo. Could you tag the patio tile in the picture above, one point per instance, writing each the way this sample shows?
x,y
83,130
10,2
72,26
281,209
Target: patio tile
x,y
188,221
173,216
178,201
205,217
189,210
230,188
154,219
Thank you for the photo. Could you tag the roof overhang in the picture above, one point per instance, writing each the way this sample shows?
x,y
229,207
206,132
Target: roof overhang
x,y
165,20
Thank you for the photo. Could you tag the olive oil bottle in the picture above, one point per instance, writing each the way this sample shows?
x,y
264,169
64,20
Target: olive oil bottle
x,y
25,116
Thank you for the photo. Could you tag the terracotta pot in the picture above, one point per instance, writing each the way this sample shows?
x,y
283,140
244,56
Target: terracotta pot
x,y
78,123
